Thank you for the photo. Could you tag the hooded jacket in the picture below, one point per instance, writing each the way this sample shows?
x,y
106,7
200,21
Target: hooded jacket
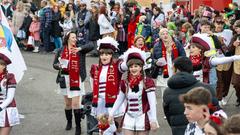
x,y
178,84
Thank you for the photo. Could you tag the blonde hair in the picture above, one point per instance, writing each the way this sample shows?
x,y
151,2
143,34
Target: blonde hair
x,y
20,6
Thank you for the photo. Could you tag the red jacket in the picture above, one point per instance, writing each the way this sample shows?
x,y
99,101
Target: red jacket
x,y
132,26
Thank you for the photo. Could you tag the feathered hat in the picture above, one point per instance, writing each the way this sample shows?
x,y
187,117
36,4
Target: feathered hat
x,y
107,43
134,53
205,42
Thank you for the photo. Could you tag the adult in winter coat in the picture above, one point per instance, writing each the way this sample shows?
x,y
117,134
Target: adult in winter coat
x,y
93,30
70,61
106,28
164,52
18,16
180,83
56,30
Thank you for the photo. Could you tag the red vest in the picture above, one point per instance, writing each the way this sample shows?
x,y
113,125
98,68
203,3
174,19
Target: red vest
x,y
112,83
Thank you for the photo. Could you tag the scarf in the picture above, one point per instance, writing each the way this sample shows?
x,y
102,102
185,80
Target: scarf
x,y
164,54
73,68
196,61
112,84
134,82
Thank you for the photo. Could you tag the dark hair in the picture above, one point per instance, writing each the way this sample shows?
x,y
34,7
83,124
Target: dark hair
x,y
153,5
67,13
66,37
196,96
183,64
232,125
174,6
235,4
182,6
103,10
68,5
159,10
106,51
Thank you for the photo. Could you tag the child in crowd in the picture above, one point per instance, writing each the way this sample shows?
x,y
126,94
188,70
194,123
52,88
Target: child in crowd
x,y
196,109
34,30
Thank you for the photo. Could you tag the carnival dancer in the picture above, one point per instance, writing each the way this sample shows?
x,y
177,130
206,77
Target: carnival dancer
x,y
204,56
70,61
9,116
105,77
235,49
224,72
139,92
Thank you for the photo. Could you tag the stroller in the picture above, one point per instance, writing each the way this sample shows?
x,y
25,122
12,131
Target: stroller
x,y
92,123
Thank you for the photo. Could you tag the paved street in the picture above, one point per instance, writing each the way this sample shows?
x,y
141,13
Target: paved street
x,y
43,107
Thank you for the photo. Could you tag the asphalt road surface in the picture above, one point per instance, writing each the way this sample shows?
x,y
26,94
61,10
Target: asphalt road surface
x,y
42,107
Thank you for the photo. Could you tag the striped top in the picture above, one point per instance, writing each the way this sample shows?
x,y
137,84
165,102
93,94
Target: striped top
x,y
102,81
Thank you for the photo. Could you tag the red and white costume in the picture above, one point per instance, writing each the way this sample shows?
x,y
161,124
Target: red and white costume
x,y
9,115
141,105
141,102
105,88
105,80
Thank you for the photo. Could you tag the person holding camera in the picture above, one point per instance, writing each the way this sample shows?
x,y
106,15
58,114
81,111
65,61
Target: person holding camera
x,y
235,49
70,61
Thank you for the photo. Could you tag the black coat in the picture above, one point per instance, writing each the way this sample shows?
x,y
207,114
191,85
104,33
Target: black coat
x,y
56,30
82,55
26,24
93,29
179,84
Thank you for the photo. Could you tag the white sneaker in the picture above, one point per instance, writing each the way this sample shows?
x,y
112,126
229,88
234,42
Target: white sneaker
x,y
35,50
224,101
220,104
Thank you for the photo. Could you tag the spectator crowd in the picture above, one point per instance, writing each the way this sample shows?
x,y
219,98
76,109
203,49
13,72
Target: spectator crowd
x,y
193,58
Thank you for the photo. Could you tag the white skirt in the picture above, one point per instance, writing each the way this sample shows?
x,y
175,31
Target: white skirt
x,y
9,117
70,93
101,109
136,123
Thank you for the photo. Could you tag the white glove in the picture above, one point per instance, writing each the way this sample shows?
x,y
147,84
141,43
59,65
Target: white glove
x,y
236,57
110,130
161,62
124,66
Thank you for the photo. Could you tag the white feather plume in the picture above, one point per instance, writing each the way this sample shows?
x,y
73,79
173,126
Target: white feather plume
x,y
107,40
133,50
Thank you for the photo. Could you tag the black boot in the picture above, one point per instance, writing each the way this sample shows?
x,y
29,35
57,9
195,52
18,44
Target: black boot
x,y
68,114
78,116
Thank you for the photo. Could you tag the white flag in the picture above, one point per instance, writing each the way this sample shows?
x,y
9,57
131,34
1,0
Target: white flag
x,y
9,47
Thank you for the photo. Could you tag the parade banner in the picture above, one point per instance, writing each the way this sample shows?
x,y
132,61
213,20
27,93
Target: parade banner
x,y
9,47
